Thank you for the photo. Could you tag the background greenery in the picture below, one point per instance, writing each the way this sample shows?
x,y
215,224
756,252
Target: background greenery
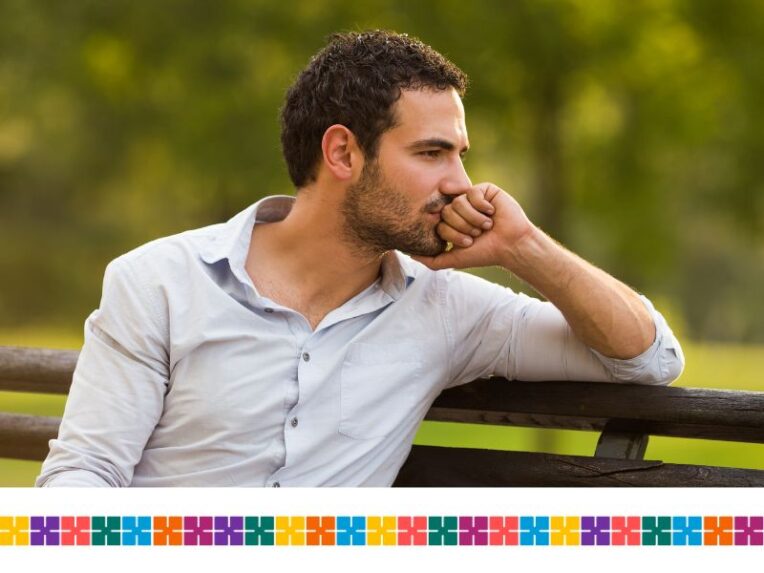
x,y
630,131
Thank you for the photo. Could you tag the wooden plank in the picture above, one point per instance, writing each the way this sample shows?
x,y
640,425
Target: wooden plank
x,y
657,410
668,411
36,369
25,437
429,466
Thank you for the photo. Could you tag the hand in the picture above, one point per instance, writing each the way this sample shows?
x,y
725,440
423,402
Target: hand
x,y
484,225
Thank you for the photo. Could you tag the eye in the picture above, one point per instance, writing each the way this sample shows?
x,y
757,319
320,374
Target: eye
x,y
432,153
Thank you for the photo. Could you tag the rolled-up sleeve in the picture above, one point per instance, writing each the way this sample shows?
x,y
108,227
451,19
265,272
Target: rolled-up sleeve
x,y
661,363
117,389
498,332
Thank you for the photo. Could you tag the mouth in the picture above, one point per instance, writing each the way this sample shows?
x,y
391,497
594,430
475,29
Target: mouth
x,y
435,207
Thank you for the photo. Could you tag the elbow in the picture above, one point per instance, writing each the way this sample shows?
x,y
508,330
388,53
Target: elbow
x,y
660,366
667,363
674,365
669,368
68,465
72,477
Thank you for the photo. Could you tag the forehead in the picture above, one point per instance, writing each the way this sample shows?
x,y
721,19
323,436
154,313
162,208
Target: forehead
x,y
424,114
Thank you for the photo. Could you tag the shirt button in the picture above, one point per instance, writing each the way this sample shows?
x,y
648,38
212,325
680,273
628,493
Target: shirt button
x,y
276,484
294,422
306,357
269,310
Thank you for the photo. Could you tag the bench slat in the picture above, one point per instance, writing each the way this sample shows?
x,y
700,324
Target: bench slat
x,y
429,466
36,369
671,411
25,437
657,410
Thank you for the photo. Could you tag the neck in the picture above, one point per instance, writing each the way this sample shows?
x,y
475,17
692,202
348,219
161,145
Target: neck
x,y
310,248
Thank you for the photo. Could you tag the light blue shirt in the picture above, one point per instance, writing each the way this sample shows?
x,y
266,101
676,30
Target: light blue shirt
x,y
188,377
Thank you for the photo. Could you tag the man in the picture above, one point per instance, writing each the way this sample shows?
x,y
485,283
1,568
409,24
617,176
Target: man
x,y
296,344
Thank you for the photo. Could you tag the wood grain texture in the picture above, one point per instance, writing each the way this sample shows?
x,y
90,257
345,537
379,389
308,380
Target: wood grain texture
x,y
36,369
657,410
25,437
429,466
628,413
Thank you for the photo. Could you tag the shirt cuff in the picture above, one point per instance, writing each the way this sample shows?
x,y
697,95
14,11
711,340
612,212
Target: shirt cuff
x,y
660,364
71,478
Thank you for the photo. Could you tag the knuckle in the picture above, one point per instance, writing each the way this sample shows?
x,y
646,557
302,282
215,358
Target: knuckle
x,y
447,231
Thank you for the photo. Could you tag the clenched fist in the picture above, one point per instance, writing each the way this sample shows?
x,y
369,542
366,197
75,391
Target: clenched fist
x,y
483,225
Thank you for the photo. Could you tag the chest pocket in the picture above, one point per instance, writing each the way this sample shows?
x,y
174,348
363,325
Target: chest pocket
x,y
380,388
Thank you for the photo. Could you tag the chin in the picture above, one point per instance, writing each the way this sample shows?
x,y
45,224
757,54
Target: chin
x,y
421,241
429,250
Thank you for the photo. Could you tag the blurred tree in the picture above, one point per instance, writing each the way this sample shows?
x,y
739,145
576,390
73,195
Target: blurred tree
x,y
631,132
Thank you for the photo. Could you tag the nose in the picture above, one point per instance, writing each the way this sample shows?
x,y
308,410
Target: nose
x,y
456,181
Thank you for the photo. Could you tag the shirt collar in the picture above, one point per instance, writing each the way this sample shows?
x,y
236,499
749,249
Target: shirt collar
x,y
397,273
232,241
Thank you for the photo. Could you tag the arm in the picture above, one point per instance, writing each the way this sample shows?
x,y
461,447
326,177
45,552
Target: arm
x,y
117,389
622,329
604,313
496,332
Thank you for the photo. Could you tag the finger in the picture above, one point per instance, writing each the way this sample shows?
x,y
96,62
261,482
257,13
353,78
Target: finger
x,y
479,198
448,233
470,214
453,219
489,191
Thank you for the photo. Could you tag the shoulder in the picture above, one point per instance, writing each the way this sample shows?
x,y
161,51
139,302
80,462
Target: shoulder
x,y
173,255
173,248
157,275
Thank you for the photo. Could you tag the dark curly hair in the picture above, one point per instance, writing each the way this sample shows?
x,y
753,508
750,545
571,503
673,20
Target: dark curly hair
x,y
355,81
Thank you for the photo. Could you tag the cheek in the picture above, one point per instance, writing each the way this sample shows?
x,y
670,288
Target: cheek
x,y
418,182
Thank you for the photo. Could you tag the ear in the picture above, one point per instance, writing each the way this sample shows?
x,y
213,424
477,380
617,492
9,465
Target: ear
x,y
342,156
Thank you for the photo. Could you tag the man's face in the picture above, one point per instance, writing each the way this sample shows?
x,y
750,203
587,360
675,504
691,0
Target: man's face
x,y
397,201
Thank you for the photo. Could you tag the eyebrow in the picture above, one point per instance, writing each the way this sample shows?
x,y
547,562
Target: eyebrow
x,y
436,142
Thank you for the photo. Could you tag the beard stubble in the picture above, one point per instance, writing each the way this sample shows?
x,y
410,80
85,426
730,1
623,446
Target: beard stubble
x,y
379,218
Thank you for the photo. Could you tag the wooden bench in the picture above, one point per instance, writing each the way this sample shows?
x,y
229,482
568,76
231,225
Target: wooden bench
x,y
624,414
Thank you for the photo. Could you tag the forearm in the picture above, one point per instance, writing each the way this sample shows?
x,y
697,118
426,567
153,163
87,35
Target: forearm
x,y
604,313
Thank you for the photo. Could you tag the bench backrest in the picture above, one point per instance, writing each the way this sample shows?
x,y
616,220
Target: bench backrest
x,y
625,414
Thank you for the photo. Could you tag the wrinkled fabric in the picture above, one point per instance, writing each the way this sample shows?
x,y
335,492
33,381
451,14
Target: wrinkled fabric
x,y
188,377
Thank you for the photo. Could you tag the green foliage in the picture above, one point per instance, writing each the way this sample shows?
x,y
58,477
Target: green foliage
x,y
630,131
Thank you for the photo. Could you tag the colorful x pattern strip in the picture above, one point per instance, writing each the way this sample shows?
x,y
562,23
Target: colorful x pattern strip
x,y
348,530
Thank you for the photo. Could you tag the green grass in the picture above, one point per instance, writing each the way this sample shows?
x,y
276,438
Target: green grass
x,y
18,473
708,366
